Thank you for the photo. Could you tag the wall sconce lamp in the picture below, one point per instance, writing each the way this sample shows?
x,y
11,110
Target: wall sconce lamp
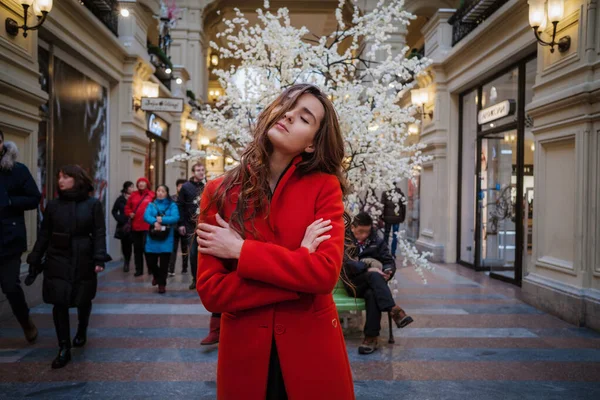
x,y
149,89
214,60
419,98
413,129
204,141
540,13
214,94
191,125
211,159
41,8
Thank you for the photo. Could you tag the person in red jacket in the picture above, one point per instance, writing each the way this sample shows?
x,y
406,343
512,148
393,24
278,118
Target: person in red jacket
x,y
135,208
271,244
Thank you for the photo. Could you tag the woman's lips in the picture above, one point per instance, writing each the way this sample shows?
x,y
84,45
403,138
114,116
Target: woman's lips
x,y
281,126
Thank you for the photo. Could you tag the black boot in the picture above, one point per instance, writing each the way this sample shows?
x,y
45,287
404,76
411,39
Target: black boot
x,y
126,267
80,338
63,357
29,329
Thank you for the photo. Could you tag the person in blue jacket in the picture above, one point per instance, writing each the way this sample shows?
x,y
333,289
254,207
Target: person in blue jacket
x,y
162,215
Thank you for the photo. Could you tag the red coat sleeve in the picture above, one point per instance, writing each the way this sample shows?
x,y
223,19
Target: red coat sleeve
x,y
222,290
299,270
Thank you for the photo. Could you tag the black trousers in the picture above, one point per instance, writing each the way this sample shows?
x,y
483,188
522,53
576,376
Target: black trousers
x,y
60,314
184,241
11,286
127,248
275,384
373,287
158,263
139,241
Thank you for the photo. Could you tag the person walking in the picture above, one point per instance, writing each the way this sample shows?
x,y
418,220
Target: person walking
x,y
178,238
162,215
123,232
135,209
271,237
189,199
394,213
18,193
70,250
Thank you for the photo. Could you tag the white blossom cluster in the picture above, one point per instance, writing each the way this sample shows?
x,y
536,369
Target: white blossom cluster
x,y
355,66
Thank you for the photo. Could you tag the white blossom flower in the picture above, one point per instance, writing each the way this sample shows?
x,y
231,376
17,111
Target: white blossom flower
x,y
355,67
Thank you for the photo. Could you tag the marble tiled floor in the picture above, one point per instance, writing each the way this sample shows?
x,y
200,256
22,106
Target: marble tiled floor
x,y
472,338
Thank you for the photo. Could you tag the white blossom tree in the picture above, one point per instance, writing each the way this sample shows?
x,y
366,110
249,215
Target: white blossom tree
x,y
354,66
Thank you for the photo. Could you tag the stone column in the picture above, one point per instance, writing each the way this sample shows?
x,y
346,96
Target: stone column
x,y
439,175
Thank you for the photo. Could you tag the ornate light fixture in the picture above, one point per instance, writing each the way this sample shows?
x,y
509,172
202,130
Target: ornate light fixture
x,y
419,98
540,12
41,8
191,125
149,89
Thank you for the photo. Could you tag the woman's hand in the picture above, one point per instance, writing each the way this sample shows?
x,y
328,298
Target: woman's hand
x,y
98,269
157,226
219,241
314,234
159,219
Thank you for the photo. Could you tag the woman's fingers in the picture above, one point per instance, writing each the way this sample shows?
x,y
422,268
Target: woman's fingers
x,y
203,243
321,231
207,227
221,221
321,239
203,235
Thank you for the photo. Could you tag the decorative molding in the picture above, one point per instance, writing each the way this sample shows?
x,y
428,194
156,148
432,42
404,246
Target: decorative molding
x,y
554,285
556,264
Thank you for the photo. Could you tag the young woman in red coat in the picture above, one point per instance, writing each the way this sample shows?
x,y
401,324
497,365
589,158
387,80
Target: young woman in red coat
x,y
271,239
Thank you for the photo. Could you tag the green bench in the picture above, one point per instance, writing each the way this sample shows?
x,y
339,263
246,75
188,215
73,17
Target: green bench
x,y
346,303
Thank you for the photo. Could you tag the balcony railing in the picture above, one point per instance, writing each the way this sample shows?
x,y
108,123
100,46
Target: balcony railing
x,y
106,11
470,14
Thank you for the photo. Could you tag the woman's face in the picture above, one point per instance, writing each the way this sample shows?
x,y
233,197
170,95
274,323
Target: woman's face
x,y
295,132
65,182
161,193
130,190
142,185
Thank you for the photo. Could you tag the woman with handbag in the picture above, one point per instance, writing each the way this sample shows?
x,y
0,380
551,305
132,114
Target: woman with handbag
x,y
162,215
123,232
135,208
73,241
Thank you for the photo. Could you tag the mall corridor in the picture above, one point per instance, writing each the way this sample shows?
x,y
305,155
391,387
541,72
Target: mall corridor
x,y
471,337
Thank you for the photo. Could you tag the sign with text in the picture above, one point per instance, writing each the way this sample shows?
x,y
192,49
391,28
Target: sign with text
x,y
162,104
497,111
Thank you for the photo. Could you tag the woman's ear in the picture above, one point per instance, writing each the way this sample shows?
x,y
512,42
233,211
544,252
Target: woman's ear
x,y
310,149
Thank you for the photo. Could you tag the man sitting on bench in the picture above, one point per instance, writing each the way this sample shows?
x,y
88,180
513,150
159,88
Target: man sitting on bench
x,y
369,268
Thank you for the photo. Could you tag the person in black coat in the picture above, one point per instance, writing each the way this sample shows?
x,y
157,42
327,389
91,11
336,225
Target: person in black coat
x,y
71,251
118,213
18,192
188,202
394,213
369,266
177,239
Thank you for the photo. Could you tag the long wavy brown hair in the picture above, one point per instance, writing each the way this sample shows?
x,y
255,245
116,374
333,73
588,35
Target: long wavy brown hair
x,y
253,171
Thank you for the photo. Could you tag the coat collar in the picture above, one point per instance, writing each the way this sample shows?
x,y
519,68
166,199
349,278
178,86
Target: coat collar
x,y
9,158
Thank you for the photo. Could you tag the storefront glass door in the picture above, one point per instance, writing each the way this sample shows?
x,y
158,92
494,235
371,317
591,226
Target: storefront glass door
x,y
496,203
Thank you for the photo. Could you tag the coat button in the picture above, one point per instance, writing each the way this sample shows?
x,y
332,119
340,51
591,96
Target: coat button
x,y
14,223
279,329
334,323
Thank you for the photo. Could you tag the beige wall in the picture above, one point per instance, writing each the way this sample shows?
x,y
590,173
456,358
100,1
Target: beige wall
x,y
564,274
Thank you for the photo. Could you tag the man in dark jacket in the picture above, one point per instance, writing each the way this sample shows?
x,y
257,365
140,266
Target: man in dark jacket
x,y
369,266
394,213
18,192
188,202
178,238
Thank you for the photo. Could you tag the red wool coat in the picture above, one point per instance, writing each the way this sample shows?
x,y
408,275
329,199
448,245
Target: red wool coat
x,y
138,223
279,290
